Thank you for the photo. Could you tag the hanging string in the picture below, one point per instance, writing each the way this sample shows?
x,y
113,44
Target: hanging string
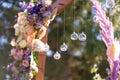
x,y
64,27
57,37
74,15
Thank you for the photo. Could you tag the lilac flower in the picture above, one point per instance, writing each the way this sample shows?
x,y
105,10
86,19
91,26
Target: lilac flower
x,y
34,9
40,0
107,34
114,75
26,57
9,66
30,20
22,5
47,14
22,68
39,25
49,8
27,52
104,22
40,18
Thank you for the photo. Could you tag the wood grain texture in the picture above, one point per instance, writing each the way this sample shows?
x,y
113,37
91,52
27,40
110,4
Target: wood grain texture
x,y
60,5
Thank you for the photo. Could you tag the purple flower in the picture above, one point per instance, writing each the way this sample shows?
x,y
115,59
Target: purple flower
x,y
34,9
9,66
30,20
22,68
107,31
39,25
22,5
39,0
26,57
27,52
49,8
40,18
107,34
114,75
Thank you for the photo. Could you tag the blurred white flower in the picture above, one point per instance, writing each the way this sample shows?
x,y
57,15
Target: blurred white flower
x,y
38,45
30,76
97,77
22,44
13,42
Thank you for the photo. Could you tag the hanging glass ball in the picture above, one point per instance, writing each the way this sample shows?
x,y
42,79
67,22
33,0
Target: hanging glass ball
x,y
74,36
82,37
95,19
57,56
63,47
110,3
47,47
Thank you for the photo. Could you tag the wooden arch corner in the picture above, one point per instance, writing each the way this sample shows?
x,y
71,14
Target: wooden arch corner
x,y
60,5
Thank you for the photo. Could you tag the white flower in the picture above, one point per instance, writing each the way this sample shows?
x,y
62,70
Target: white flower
x,y
22,44
13,42
38,45
34,68
117,50
30,76
97,77
47,2
17,31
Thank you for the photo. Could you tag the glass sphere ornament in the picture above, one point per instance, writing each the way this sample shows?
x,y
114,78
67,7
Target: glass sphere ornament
x,y
64,47
74,36
82,37
110,3
47,47
57,56
95,19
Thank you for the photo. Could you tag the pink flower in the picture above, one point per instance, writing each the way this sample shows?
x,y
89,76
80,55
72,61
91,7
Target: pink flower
x,y
25,63
107,34
20,16
107,31
14,70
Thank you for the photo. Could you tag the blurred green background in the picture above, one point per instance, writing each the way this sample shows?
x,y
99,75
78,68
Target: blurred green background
x,y
76,63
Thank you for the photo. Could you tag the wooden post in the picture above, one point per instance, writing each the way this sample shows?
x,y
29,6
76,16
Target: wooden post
x,y
60,5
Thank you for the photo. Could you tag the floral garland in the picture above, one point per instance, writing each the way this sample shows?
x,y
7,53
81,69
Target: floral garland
x,y
107,34
30,28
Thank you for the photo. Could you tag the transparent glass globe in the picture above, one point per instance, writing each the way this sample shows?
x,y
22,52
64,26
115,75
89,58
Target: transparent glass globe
x,y
95,19
110,3
57,56
64,47
82,37
47,47
74,36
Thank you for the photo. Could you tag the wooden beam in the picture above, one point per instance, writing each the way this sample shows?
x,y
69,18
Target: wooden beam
x,y
60,5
